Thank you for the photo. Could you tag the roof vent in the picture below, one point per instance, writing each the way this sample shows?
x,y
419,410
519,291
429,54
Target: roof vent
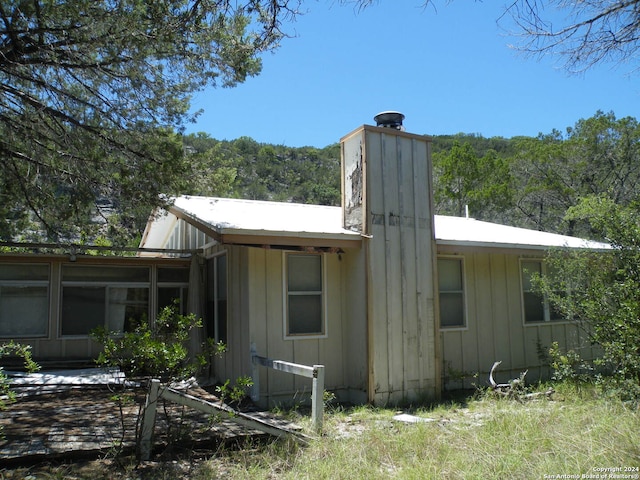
x,y
390,120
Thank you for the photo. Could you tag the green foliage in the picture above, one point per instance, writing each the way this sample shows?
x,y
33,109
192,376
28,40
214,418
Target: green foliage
x,y
597,156
157,351
465,179
600,290
236,392
13,349
569,366
243,168
93,91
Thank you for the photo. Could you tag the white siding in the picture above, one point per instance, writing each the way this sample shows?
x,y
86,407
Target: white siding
x,y
495,327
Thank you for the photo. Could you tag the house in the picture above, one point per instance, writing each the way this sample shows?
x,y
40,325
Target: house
x,y
397,303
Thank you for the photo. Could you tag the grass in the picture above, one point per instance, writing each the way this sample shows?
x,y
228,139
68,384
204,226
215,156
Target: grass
x,y
573,434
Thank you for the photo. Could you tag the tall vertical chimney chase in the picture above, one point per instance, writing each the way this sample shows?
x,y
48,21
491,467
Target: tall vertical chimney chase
x,y
389,119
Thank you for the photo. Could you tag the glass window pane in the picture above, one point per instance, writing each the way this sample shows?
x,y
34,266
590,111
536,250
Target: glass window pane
x,y
528,269
305,314
221,307
450,274
451,309
83,309
533,307
168,295
304,273
128,307
173,275
216,309
24,311
24,272
104,274
221,279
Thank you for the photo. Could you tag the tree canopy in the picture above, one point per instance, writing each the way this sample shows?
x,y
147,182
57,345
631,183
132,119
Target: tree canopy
x,y
583,33
91,93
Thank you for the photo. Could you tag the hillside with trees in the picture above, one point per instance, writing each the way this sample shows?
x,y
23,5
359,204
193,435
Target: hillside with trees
x,y
523,181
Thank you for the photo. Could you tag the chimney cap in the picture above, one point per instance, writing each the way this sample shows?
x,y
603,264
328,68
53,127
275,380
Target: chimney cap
x,y
389,119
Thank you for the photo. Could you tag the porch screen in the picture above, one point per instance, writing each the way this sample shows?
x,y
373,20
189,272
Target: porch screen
x,y
24,300
304,295
114,297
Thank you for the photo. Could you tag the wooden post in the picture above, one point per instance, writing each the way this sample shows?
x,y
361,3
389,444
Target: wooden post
x,y
149,420
317,397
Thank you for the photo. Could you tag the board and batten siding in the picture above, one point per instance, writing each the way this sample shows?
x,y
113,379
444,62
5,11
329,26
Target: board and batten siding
x,y
266,314
495,328
397,224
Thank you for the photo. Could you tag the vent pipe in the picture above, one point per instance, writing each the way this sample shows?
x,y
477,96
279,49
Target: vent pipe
x,y
390,120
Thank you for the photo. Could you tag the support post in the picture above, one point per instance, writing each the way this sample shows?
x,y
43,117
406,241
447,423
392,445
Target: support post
x,y
149,420
317,397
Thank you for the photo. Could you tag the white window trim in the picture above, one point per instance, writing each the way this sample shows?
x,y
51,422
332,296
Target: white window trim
x,y
285,299
545,302
465,309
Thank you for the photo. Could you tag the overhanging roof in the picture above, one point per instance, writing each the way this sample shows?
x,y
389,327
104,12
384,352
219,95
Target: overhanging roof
x,y
255,222
475,233
252,222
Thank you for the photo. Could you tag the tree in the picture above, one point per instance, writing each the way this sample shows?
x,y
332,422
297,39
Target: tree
x,y
462,178
586,33
601,291
597,156
91,93
213,164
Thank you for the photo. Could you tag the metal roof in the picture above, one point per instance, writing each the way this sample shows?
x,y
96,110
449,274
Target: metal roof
x,y
470,232
228,216
225,217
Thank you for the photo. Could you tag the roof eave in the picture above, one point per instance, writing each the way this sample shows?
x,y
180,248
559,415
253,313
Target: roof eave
x,y
516,246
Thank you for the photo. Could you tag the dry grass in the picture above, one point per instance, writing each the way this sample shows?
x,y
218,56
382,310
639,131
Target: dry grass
x,y
574,434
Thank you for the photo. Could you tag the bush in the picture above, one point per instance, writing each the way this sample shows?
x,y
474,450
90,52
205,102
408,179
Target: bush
x,y
158,351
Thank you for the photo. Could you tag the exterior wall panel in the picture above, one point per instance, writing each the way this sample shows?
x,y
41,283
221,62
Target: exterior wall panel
x,y
496,330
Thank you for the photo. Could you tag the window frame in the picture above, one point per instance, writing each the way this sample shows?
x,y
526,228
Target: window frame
x,y
31,283
322,293
546,305
465,312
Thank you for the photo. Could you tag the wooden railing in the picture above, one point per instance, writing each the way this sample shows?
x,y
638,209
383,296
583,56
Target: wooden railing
x,y
316,373
158,392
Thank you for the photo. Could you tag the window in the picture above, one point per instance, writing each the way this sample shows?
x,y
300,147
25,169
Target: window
x,y
535,305
451,288
217,298
114,297
24,300
173,284
304,298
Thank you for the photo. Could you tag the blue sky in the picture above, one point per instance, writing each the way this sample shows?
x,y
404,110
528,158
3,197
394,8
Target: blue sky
x,y
449,70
